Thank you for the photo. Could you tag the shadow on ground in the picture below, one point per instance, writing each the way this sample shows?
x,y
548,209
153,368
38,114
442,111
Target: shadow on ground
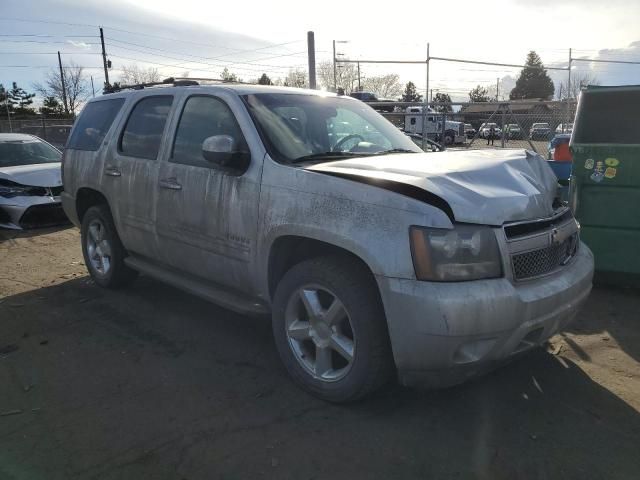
x,y
612,311
153,383
8,235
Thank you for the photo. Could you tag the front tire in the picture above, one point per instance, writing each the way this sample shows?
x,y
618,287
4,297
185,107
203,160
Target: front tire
x,y
102,249
330,329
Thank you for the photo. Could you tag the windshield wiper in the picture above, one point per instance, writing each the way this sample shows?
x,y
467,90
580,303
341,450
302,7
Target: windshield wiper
x,y
316,156
395,150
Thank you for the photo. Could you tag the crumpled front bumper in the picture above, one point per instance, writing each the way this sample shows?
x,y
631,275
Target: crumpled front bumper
x,y
444,333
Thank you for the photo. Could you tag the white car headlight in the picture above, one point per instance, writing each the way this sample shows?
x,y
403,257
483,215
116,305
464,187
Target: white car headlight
x,y
466,252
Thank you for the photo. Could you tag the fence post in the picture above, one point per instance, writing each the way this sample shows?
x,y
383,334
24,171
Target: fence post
x,y
444,131
503,117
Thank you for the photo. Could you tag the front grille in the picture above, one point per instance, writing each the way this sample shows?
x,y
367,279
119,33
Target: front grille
x,y
43,216
545,260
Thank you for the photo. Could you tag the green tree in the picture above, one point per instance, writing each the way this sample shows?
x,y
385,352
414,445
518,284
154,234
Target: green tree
x,y
533,81
20,100
479,94
51,106
410,93
227,76
264,80
444,101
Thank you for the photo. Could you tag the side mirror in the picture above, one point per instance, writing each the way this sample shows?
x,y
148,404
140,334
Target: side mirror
x,y
222,150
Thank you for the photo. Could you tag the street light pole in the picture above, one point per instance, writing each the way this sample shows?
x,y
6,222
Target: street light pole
x,y
335,71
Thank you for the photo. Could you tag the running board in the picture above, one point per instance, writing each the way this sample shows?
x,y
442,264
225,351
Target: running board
x,y
207,291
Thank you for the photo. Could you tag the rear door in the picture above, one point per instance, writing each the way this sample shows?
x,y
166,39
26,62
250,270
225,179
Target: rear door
x,y
130,171
207,214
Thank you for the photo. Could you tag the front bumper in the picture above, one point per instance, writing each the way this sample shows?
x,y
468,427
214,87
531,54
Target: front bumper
x,y
444,333
31,212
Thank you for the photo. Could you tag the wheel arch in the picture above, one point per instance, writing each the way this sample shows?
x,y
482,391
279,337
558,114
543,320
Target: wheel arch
x,y
86,198
290,249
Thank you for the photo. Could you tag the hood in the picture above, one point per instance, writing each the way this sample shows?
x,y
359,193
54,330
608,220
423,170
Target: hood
x,y
38,175
487,187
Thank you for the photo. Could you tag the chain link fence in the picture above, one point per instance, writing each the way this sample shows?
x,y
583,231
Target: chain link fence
x,y
515,124
54,130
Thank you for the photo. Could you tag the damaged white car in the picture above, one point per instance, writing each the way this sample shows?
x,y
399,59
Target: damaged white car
x,y
30,182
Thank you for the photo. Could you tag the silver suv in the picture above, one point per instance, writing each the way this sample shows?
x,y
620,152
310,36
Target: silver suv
x,y
373,258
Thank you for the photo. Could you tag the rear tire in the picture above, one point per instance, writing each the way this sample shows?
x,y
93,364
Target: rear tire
x,y
338,353
102,249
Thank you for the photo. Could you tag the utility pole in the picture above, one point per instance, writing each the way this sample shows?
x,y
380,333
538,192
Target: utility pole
x,y
569,76
569,91
335,71
498,89
6,104
359,87
311,52
93,90
64,87
425,107
104,61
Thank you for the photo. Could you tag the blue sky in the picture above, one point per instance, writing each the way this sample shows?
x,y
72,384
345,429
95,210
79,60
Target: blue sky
x,y
251,37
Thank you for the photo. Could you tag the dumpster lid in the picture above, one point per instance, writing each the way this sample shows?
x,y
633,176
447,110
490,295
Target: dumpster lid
x,y
608,115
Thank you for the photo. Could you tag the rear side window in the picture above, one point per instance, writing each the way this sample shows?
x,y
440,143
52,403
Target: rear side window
x,y
608,117
142,134
94,123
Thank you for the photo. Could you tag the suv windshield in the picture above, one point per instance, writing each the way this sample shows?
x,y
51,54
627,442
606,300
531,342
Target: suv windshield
x,y
27,152
300,127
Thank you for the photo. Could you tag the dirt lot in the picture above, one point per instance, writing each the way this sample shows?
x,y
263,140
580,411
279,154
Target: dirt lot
x,y
151,383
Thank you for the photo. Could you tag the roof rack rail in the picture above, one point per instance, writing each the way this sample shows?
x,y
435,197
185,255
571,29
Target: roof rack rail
x,y
171,81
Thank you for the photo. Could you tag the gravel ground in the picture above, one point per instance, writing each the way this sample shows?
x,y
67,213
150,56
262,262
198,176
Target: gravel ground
x,y
151,383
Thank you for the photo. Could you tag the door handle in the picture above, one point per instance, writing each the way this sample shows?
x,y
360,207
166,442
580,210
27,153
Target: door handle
x,y
112,171
170,184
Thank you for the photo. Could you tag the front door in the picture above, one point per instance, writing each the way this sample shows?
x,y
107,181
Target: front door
x,y
130,172
206,216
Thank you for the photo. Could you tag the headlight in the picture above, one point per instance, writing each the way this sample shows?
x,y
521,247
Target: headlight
x,y
12,190
464,253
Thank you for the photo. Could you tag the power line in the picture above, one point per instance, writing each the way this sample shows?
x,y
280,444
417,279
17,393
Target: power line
x,y
48,53
200,62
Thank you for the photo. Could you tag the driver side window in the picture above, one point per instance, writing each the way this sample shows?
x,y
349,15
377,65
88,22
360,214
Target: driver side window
x,y
347,123
203,117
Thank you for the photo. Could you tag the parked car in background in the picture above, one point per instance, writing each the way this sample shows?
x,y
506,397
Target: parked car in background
x,y
540,131
565,128
376,260
30,182
469,131
513,131
369,97
485,130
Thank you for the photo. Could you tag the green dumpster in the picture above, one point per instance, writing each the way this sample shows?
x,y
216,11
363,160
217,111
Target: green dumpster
x,y
605,183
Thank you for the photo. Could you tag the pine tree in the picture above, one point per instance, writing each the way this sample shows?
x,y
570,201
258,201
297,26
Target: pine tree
x,y
264,80
533,81
51,106
19,100
445,103
411,94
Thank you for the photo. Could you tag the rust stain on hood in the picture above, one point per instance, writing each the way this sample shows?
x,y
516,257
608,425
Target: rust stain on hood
x,y
483,186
